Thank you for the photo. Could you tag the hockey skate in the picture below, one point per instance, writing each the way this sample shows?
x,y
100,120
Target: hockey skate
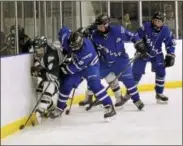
x,y
96,102
42,113
161,99
88,100
122,100
109,111
127,96
139,104
57,112
39,116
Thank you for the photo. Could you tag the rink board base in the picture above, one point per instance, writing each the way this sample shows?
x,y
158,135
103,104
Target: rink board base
x,y
13,127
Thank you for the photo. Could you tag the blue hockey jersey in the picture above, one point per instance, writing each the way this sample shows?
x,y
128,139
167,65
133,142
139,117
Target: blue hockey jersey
x,y
82,58
154,40
63,32
112,46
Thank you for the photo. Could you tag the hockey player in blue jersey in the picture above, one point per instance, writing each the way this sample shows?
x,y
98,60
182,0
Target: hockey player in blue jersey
x,y
154,33
85,65
115,87
109,78
109,41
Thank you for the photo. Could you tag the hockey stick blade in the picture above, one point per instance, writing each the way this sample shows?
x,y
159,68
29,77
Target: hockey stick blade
x,y
24,125
67,112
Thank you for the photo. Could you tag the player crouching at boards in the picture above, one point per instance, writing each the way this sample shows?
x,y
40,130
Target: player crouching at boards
x,y
154,33
47,58
85,65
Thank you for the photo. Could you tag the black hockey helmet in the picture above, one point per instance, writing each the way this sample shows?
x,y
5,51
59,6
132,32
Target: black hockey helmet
x,y
102,22
40,45
39,41
157,21
76,40
102,19
158,16
84,31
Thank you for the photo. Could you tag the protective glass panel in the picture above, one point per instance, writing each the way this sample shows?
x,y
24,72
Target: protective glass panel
x,y
126,14
91,10
180,19
71,14
166,7
7,34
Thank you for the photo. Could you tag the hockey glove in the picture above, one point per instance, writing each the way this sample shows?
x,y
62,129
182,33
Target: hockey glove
x,y
140,47
38,72
169,60
67,61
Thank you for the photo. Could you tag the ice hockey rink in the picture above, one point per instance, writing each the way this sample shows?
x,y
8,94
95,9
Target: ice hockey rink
x,y
157,124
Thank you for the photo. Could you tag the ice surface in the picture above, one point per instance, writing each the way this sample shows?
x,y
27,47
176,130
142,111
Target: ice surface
x,y
157,124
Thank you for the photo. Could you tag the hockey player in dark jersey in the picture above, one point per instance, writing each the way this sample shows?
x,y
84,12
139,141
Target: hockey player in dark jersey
x,y
47,59
154,34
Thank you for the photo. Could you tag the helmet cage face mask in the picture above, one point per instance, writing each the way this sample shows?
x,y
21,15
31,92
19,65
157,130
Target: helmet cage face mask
x,y
157,24
40,45
102,23
158,21
39,52
76,47
103,28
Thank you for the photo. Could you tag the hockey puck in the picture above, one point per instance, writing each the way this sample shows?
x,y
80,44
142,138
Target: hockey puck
x,y
67,112
21,127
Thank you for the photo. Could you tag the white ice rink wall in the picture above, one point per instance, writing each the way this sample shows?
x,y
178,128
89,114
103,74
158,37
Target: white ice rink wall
x,y
18,93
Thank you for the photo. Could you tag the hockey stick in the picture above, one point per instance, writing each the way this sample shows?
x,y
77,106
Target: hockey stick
x,y
68,110
122,71
41,96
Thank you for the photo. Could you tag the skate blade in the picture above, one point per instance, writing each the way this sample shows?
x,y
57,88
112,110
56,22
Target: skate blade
x,y
38,118
119,107
161,102
93,108
140,110
109,119
82,107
